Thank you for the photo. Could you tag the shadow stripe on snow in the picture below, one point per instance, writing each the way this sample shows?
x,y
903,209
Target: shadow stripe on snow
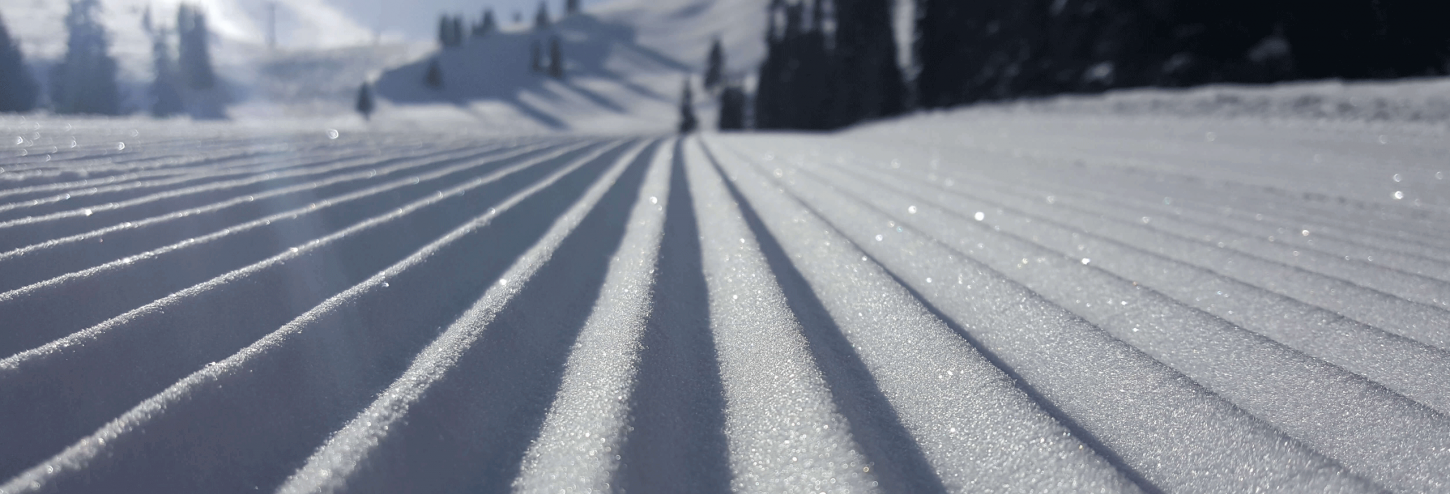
x,y
121,361
479,392
1404,365
1181,429
785,431
894,456
265,408
47,310
259,171
37,229
1340,415
123,173
61,255
675,441
140,204
19,179
1353,218
1417,320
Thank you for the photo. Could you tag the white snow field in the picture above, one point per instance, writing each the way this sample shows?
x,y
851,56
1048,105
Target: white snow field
x,y
1076,295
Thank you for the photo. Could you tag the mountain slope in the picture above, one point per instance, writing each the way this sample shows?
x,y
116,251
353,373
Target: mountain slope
x,y
611,84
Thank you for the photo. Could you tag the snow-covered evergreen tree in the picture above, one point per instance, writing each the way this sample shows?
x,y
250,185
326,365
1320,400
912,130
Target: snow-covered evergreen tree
x,y
688,123
434,77
541,18
450,31
715,66
365,101
85,79
165,91
193,51
486,24
18,89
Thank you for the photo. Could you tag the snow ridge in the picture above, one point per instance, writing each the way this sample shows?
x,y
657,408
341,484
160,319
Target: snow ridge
x,y
987,302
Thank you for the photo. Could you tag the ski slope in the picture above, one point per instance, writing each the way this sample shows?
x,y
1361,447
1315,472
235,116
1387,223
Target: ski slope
x,y
1018,298
611,83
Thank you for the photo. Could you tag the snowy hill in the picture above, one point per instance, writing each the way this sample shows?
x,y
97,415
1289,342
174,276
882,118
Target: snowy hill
x,y
612,83
683,29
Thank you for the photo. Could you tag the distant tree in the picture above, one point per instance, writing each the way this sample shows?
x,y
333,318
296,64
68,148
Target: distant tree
x,y
85,79
450,31
536,56
194,57
486,25
146,23
434,77
365,101
518,17
571,7
541,18
18,89
688,123
732,108
165,91
556,59
715,66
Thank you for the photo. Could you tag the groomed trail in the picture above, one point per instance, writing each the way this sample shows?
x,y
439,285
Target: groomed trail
x,y
993,300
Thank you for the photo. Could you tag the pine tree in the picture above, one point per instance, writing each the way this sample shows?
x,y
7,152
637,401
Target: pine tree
x,y
18,89
165,92
434,77
556,59
445,28
194,57
146,23
541,19
365,101
571,7
450,31
732,108
688,123
85,79
715,66
486,25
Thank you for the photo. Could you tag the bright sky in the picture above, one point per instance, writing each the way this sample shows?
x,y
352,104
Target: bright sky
x,y
418,19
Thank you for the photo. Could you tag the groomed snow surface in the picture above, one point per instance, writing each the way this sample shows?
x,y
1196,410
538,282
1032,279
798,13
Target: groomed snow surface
x,y
1002,299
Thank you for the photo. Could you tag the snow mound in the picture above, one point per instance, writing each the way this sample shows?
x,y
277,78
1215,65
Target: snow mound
x,y
1425,100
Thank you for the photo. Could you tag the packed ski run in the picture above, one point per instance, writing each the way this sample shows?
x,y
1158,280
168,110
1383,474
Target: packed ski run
x,y
1001,299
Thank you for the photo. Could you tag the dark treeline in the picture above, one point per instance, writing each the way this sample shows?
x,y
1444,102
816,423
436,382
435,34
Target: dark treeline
x,y
970,51
832,63
828,65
